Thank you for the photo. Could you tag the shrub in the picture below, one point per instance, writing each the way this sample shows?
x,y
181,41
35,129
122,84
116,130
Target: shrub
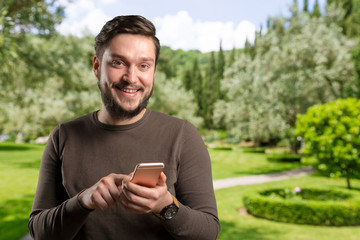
x,y
223,148
327,207
253,150
332,134
285,157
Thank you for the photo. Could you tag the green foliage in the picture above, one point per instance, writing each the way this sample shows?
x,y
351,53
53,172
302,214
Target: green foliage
x,y
350,22
172,98
356,56
286,76
220,68
305,206
30,15
316,12
17,19
306,6
51,82
211,92
332,133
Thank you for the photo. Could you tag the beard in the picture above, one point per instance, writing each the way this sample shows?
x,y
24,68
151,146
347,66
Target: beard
x,y
115,109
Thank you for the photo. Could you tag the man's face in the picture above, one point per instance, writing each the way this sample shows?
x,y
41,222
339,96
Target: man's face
x,y
126,74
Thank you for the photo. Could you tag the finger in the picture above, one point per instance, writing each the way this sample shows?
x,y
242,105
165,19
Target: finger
x,y
134,190
109,187
118,179
99,201
133,203
107,192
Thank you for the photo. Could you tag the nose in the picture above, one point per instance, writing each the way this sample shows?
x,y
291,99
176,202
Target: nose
x,y
131,74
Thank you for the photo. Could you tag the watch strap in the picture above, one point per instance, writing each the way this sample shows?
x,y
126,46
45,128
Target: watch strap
x,y
175,202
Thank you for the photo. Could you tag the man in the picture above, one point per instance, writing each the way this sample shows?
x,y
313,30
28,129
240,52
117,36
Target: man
x,y
84,190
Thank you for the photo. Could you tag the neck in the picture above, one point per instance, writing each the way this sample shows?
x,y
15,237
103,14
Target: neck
x,y
106,118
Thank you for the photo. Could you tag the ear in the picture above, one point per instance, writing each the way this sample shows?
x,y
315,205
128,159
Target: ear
x,y
96,66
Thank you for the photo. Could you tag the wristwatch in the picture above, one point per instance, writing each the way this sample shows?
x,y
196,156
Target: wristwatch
x,y
169,211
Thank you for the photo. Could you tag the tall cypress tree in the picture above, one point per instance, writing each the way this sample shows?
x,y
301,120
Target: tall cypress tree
x,y
306,6
231,58
210,92
197,85
220,71
249,49
187,78
316,12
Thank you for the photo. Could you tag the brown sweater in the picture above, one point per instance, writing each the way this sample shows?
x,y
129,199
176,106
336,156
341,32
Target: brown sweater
x,y
82,151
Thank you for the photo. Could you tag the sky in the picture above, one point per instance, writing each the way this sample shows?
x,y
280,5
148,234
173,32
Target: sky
x,y
183,24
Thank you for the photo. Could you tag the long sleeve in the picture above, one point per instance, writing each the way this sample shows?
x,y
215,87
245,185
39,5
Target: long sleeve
x,y
54,215
197,216
82,151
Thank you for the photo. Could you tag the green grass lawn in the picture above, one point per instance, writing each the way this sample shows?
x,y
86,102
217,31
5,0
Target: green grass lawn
x,y
227,164
19,166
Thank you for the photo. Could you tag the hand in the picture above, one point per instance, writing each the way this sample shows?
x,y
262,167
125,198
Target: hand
x,y
104,194
140,199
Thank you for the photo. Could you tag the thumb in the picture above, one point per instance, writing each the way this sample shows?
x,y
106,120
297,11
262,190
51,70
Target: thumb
x,y
118,179
162,179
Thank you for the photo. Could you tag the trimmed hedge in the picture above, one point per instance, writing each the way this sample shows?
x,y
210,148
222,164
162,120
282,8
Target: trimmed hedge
x,y
327,207
285,157
253,150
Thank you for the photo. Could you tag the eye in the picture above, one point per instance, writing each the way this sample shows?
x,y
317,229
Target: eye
x,y
117,63
144,66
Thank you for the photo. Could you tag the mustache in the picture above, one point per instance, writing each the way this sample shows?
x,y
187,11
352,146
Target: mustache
x,y
121,85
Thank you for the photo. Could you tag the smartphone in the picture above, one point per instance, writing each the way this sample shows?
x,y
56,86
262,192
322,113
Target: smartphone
x,y
147,174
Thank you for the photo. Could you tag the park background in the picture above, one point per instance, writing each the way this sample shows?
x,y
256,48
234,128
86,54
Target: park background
x,y
244,86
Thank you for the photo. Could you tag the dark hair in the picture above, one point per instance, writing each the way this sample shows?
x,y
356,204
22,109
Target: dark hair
x,y
132,24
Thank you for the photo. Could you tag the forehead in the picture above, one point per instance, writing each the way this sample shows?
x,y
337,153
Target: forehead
x,y
132,45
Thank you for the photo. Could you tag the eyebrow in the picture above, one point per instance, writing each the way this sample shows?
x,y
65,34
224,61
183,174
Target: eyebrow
x,y
144,59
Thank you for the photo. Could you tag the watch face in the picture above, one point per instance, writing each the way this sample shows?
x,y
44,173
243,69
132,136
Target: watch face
x,y
170,212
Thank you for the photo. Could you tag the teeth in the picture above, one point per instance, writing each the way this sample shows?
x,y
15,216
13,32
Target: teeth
x,y
129,90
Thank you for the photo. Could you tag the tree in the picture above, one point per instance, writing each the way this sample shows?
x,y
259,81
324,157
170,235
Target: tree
x,y
249,49
220,67
316,12
350,24
20,21
197,85
231,58
287,76
350,21
332,134
210,92
20,17
17,19
54,83
356,57
172,98
306,6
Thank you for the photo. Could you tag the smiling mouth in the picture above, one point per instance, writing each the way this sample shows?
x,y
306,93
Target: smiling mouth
x,y
129,90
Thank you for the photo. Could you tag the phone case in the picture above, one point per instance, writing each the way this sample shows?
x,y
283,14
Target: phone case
x,y
147,174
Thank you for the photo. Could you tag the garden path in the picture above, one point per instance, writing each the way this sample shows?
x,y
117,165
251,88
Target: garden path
x,y
261,178
247,180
